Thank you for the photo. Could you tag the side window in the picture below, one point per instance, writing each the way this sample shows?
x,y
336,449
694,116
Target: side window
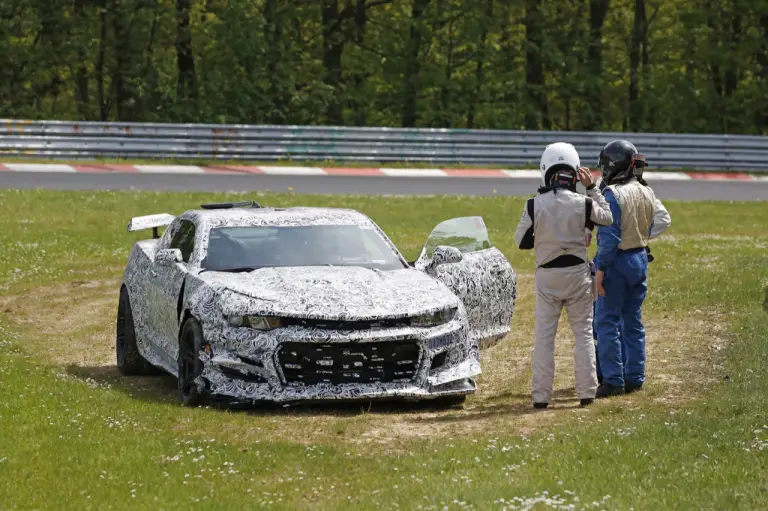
x,y
184,239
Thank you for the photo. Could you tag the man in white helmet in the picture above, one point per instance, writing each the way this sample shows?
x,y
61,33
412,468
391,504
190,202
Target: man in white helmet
x,y
553,223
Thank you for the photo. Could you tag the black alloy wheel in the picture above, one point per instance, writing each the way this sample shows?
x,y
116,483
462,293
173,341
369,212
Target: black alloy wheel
x,y
190,365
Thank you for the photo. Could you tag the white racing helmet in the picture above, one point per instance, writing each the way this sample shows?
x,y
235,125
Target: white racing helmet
x,y
557,155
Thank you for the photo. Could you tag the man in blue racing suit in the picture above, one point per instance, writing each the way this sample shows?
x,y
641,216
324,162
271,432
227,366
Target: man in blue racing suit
x,y
622,268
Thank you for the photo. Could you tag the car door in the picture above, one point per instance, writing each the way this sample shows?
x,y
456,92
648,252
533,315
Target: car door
x,y
167,281
483,279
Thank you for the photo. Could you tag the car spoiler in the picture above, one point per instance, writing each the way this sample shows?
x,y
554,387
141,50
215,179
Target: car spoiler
x,y
139,223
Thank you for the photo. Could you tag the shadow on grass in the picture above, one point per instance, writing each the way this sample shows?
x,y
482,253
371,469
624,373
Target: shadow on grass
x,y
162,389
507,404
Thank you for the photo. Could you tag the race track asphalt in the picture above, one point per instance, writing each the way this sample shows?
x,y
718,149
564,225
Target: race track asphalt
x,y
691,190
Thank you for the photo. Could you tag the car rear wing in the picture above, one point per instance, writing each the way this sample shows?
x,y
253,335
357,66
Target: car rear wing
x,y
139,223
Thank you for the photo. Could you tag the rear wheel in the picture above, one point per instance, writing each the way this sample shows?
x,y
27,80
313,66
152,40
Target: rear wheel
x,y
190,365
129,360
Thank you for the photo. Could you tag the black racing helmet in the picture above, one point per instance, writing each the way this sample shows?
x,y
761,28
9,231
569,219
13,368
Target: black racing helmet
x,y
619,161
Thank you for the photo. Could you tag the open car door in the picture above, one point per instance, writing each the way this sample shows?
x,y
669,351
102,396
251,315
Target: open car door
x,y
458,252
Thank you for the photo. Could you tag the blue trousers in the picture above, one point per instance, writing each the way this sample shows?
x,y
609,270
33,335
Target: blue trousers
x,y
597,356
618,320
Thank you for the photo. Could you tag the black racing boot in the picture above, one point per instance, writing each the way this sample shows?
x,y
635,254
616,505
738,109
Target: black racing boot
x,y
608,390
629,388
540,405
586,402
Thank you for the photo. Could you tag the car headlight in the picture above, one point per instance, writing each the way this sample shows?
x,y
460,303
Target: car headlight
x,y
434,318
255,322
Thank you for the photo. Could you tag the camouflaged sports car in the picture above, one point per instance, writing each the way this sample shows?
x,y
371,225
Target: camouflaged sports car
x,y
246,304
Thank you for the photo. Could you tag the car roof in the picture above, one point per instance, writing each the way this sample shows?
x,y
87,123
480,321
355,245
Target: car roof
x,y
279,216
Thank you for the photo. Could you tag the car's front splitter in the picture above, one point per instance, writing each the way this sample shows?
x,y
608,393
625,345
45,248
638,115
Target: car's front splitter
x,y
453,381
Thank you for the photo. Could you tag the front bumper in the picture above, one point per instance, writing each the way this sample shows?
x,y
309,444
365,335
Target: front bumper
x,y
248,366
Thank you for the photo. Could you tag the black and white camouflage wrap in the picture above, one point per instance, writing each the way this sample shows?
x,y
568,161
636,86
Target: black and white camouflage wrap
x,y
243,363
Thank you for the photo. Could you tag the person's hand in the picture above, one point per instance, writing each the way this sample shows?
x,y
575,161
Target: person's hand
x,y
585,176
600,275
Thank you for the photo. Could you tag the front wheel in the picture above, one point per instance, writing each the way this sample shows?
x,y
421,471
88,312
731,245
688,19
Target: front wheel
x,y
190,365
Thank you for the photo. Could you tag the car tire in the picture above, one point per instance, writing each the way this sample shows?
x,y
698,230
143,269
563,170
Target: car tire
x,y
190,365
129,360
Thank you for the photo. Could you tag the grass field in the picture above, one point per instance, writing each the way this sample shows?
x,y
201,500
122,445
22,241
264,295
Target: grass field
x,y
76,435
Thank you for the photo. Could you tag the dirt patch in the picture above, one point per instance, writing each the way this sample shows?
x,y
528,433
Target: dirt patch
x,y
69,324
72,326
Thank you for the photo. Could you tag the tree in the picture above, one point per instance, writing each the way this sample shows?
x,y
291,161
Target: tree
x,y
651,65
410,89
598,9
480,60
185,59
637,49
537,115
339,28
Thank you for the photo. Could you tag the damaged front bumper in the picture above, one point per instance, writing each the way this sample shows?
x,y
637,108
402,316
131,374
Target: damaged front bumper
x,y
369,365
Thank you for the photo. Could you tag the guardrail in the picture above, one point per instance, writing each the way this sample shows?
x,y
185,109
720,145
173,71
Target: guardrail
x,y
91,140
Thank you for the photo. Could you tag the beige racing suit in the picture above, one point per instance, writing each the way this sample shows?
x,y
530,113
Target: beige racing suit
x,y
553,224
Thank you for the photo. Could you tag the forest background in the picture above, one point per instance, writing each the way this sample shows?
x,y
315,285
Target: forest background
x,y
696,66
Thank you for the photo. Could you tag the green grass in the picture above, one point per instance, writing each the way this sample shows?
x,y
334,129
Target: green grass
x,y
84,438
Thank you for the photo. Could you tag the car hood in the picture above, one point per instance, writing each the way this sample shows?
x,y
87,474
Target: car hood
x,y
333,293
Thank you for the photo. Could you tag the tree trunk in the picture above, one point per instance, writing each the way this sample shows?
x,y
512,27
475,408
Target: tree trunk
x,y
273,33
537,115
479,66
123,95
103,110
82,95
732,75
635,51
509,54
732,71
712,18
444,115
593,118
333,47
186,86
726,29
762,59
410,89
124,80
358,78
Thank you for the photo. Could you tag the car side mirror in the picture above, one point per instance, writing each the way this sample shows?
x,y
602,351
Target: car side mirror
x,y
168,256
444,255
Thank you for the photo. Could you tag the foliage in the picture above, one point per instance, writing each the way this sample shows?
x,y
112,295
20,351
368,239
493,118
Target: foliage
x,y
636,65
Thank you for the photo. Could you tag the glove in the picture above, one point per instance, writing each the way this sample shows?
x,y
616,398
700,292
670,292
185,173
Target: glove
x,y
648,251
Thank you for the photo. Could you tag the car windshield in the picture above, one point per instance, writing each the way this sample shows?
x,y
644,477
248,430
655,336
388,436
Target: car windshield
x,y
248,248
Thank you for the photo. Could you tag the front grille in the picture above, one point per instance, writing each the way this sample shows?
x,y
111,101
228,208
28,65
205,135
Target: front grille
x,y
348,325
336,363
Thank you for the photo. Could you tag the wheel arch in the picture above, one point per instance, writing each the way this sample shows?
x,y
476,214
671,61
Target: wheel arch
x,y
184,316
